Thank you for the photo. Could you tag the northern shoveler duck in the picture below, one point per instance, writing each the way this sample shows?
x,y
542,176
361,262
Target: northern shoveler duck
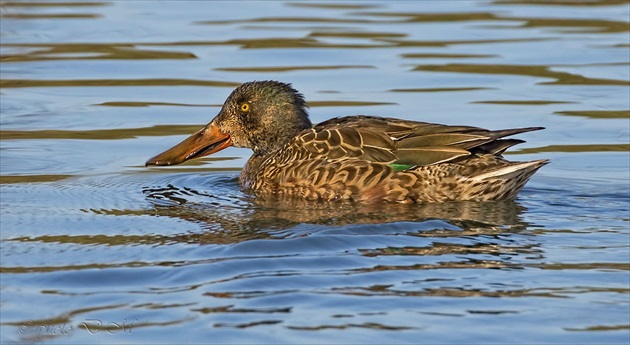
x,y
363,158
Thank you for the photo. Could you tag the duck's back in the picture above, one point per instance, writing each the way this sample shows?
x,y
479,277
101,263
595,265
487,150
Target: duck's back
x,y
374,158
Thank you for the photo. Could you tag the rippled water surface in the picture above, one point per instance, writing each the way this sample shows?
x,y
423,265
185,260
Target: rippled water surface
x,y
96,248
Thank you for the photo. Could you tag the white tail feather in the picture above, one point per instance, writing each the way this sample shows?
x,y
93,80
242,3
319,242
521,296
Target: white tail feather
x,y
512,170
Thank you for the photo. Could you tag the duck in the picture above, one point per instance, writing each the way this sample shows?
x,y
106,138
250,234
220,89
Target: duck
x,y
359,158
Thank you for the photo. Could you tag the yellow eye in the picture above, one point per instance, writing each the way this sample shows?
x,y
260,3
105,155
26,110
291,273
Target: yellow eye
x,y
245,107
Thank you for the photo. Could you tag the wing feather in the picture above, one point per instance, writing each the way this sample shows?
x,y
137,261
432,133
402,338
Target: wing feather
x,y
395,141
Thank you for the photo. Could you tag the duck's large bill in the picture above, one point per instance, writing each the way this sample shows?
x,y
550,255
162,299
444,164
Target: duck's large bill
x,y
206,141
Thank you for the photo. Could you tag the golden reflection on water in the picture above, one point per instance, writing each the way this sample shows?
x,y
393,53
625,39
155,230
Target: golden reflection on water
x,y
314,104
516,102
561,78
11,179
50,16
598,114
576,148
570,25
125,50
273,69
11,83
53,4
569,3
441,89
95,52
445,56
149,104
332,5
101,134
576,25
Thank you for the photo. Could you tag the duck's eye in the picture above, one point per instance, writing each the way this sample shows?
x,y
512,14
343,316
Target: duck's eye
x,y
245,107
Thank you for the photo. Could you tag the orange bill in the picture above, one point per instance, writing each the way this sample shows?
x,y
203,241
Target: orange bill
x,y
206,141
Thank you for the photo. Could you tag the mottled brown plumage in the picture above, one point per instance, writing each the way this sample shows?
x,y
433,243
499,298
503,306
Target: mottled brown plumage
x,y
364,158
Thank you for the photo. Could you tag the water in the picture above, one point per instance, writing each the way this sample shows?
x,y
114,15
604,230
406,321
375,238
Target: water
x,y
96,248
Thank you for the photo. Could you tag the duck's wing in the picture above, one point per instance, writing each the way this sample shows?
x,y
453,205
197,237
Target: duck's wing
x,y
402,143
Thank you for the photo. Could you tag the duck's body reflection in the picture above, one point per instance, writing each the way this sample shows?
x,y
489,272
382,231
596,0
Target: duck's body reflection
x,y
244,217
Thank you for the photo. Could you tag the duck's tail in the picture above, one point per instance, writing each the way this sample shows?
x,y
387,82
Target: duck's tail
x,y
504,182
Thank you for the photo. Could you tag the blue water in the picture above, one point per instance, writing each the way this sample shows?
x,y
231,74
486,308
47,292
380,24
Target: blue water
x,y
96,248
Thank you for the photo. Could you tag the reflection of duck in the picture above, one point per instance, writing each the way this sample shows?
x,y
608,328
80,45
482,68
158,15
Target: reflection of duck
x,y
240,217
356,157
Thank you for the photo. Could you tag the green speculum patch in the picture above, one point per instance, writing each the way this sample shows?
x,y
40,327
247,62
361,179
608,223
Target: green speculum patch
x,y
401,167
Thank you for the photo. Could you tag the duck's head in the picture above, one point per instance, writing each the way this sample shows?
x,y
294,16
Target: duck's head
x,y
261,115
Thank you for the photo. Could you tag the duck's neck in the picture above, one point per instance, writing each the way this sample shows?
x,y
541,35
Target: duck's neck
x,y
271,143
269,137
